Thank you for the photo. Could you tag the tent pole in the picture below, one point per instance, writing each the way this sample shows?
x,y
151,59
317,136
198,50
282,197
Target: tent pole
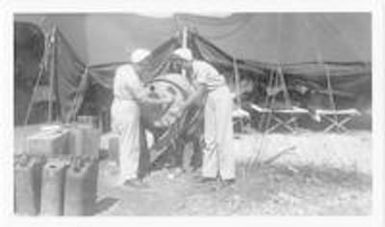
x,y
42,67
265,118
184,37
31,102
327,71
277,80
184,45
283,84
79,96
177,22
51,73
237,89
330,91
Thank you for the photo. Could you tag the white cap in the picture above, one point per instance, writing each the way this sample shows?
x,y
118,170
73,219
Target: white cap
x,y
183,53
139,54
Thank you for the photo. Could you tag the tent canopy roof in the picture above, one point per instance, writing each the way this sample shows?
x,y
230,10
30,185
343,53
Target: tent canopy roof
x,y
100,38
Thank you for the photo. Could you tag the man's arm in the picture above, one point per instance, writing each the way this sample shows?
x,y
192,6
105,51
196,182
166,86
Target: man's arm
x,y
177,111
132,83
201,90
141,95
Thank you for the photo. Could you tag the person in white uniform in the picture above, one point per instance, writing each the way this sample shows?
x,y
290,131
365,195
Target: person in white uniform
x,y
218,157
129,92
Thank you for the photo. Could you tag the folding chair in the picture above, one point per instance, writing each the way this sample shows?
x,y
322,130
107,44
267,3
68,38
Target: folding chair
x,y
337,119
282,118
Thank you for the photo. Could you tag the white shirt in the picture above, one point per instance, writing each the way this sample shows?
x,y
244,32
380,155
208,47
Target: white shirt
x,y
126,82
205,74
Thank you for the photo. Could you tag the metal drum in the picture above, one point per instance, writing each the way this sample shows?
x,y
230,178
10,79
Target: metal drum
x,y
168,85
176,131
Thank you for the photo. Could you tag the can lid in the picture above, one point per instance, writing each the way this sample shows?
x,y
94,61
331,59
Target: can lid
x,y
22,159
50,128
54,164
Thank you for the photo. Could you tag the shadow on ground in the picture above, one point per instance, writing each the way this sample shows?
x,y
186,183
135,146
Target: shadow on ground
x,y
104,204
304,190
261,190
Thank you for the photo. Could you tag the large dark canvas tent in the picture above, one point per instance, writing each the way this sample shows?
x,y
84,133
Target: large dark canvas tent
x,y
304,47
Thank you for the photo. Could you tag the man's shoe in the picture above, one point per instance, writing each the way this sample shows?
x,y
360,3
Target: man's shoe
x,y
229,182
204,180
175,173
135,183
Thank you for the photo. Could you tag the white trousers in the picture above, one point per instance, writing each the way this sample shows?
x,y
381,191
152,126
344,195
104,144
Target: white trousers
x,y
218,156
125,121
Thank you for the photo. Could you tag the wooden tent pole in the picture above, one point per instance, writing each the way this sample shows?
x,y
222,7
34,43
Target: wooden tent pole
x,y
237,89
283,84
31,102
184,37
79,95
330,90
277,79
282,80
42,67
184,44
51,72
327,71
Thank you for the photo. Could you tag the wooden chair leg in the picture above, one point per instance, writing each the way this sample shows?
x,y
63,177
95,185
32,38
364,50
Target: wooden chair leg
x,y
278,123
343,122
333,124
292,120
283,124
338,125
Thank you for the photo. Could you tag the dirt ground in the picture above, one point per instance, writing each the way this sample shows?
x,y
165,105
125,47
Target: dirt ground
x,y
277,174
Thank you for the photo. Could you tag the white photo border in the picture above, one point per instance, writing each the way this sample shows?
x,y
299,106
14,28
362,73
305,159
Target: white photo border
x,y
375,7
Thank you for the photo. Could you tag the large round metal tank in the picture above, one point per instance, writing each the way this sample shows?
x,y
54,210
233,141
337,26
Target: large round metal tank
x,y
169,85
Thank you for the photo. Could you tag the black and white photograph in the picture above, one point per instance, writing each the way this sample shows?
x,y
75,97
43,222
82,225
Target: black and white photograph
x,y
177,113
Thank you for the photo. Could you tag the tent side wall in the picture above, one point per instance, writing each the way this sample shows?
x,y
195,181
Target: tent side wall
x,y
66,71
29,47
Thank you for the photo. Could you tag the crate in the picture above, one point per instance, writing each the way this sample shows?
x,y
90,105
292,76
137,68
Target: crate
x,y
48,143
